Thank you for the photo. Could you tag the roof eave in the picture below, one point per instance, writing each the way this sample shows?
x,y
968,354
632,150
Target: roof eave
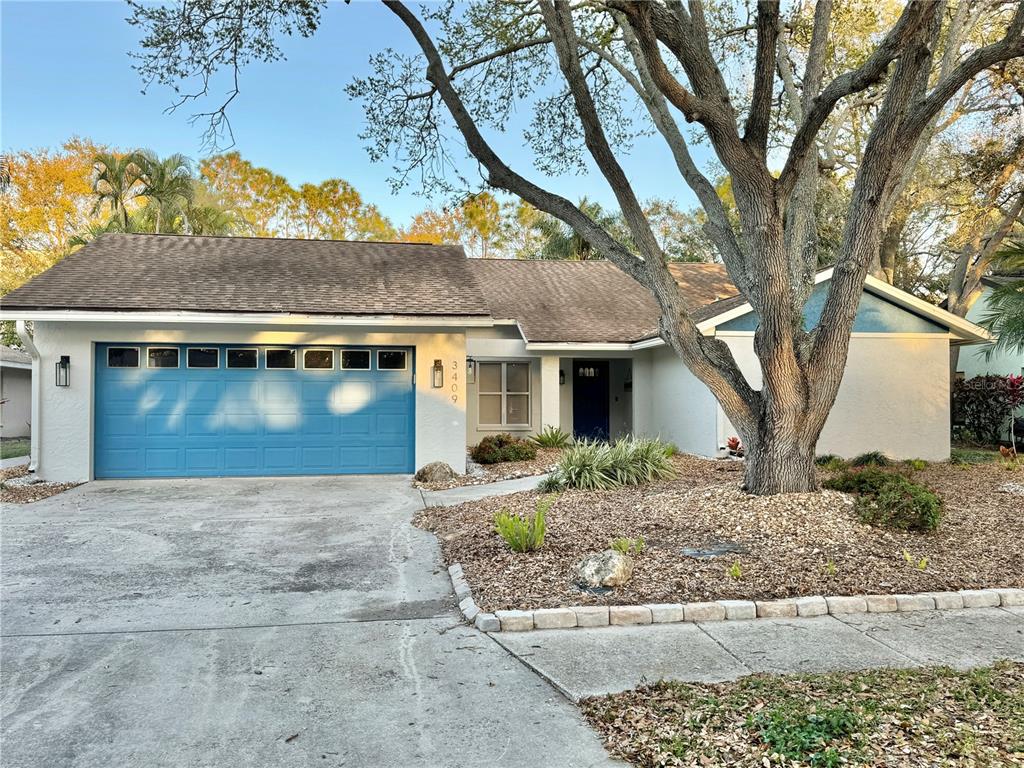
x,y
245,318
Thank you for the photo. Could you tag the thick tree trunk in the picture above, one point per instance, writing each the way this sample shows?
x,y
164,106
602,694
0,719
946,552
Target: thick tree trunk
x,y
779,463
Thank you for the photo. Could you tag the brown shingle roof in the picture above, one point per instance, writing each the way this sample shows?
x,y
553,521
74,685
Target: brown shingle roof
x,y
589,301
241,274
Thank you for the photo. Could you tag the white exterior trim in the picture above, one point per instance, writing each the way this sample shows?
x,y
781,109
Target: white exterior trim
x,y
251,318
12,364
859,334
34,427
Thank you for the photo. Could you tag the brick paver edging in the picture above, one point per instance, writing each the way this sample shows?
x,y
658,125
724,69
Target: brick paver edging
x,y
720,610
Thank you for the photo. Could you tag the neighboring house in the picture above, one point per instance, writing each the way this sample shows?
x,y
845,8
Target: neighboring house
x,y
973,361
191,356
15,392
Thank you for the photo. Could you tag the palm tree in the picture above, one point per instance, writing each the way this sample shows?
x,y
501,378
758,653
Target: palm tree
x,y
562,242
1005,316
167,187
117,183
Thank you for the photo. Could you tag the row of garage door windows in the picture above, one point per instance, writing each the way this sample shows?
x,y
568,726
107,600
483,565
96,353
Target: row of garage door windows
x,y
248,357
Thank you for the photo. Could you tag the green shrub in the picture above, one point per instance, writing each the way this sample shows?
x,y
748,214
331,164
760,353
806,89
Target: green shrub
x,y
871,459
524,535
595,466
971,456
916,464
552,483
671,449
627,546
552,437
890,500
504,447
830,462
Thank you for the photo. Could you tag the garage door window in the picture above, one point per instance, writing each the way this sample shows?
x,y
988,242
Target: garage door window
x,y
318,359
123,357
355,359
203,357
391,360
504,392
162,357
243,358
281,358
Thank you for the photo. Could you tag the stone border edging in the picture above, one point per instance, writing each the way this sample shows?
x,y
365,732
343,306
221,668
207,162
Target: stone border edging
x,y
721,610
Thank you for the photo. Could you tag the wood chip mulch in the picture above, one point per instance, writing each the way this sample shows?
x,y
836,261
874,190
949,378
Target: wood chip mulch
x,y
785,546
541,464
25,494
898,718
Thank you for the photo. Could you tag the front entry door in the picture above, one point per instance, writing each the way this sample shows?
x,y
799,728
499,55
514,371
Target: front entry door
x,y
590,399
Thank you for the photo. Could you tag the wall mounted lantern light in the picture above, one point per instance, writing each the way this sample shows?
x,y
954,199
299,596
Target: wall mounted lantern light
x,y
470,370
64,371
437,375
561,377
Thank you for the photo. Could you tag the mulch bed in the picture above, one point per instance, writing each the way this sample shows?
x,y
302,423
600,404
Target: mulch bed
x,y
887,718
786,546
28,492
541,464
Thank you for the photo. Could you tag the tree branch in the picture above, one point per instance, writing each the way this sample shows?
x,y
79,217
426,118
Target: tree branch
x,y
755,133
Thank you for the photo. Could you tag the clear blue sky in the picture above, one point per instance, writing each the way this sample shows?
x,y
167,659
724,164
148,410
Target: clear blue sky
x,y
66,72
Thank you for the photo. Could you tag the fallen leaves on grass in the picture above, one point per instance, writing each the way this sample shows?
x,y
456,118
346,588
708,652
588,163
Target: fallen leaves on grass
x,y
899,718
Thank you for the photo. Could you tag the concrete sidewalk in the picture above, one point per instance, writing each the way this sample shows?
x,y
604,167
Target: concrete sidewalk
x,y
591,662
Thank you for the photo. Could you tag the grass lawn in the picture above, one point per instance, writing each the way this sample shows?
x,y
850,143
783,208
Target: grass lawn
x,y
925,717
13,447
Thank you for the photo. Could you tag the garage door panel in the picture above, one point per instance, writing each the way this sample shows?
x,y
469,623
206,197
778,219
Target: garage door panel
x,y
231,421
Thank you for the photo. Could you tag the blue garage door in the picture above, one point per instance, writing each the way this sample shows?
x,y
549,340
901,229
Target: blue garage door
x,y
173,410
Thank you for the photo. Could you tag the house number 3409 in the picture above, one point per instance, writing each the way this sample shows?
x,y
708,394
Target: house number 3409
x,y
455,381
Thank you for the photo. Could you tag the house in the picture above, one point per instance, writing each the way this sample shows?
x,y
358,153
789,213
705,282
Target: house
x,y
975,362
200,356
15,392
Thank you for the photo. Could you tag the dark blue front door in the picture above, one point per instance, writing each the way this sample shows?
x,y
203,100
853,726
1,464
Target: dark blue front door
x,y
177,410
590,409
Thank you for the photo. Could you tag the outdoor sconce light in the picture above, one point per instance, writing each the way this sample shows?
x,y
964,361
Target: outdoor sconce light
x,y
470,370
437,375
561,377
64,371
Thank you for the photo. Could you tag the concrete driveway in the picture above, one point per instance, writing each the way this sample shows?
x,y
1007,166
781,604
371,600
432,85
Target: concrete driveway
x,y
242,622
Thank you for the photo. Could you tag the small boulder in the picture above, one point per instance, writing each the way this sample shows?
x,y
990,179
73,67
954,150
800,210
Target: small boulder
x,y
435,472
603,569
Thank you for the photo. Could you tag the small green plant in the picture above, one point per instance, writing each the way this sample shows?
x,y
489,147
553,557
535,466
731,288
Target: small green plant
x,y
735,571
830,568
871,459
495,449
627,546
524,534
921,563
830,462
552,483
671,449
890,500
552,437
916,464
807,735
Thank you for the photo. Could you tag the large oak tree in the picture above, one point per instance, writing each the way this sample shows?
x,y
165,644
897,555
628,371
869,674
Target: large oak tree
x,y
576,60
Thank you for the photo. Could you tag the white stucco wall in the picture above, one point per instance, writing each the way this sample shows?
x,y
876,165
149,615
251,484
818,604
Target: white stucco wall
x,y
16,412
972,361
65,413
682,409
894,397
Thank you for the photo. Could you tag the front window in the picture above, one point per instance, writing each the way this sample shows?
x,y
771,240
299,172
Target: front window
x,y
504,394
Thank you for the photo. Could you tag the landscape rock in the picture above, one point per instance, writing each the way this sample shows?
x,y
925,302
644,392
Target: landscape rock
x,y
604,569
435,472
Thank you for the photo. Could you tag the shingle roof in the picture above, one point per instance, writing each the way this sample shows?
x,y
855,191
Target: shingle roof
x,y
242,274
590,301
11,355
